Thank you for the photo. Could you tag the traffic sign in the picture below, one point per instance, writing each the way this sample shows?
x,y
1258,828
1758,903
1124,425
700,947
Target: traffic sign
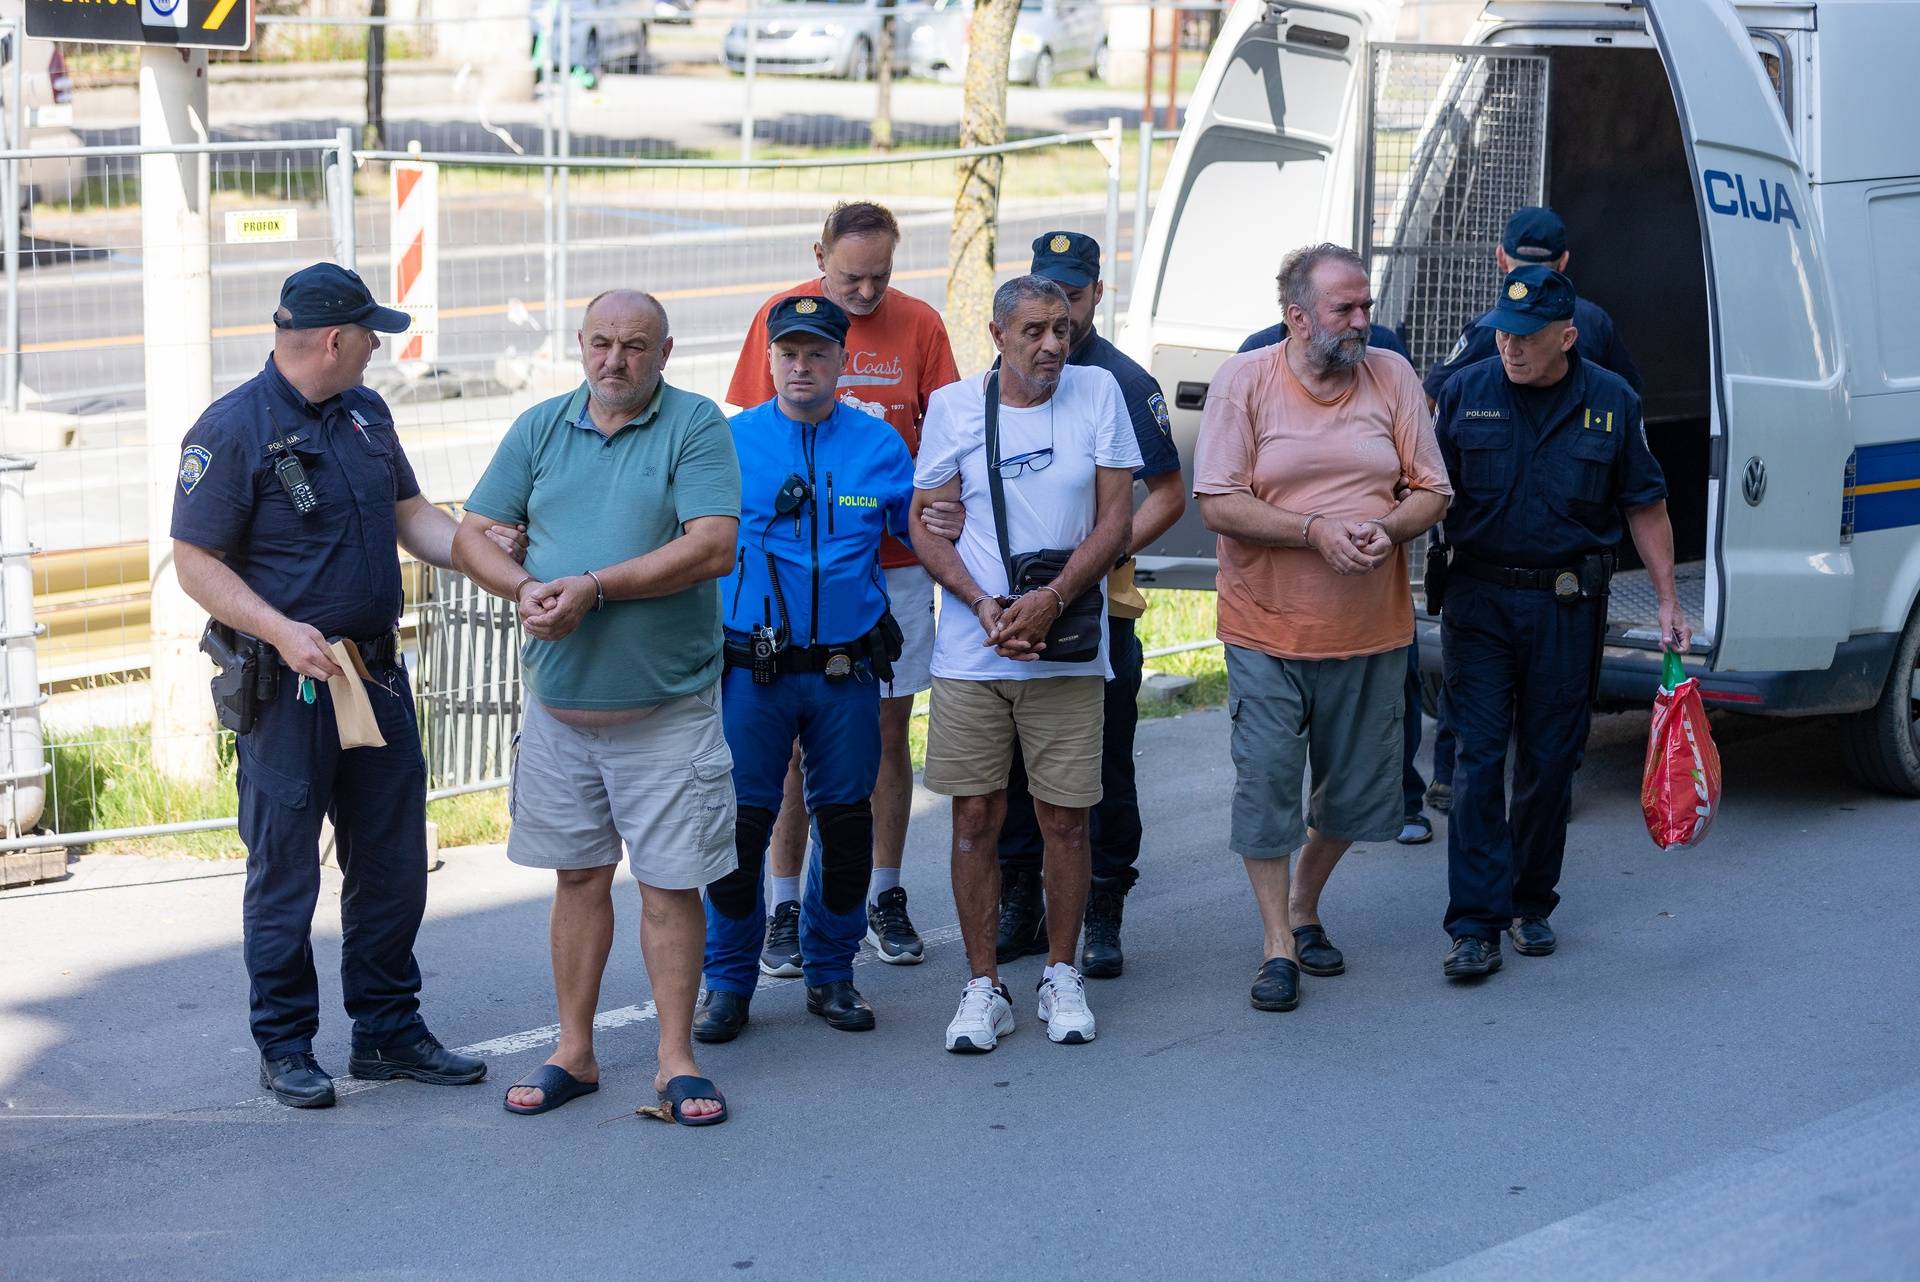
x,y
189,24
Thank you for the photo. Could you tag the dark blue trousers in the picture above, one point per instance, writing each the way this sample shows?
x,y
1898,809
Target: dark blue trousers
x,y
292,771
838,726
1114,826
1517,663
1413,789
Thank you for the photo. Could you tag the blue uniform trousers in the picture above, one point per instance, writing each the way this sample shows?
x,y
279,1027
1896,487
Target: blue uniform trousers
x,y
291,772
1113,827
1413,789
838,726
1519,663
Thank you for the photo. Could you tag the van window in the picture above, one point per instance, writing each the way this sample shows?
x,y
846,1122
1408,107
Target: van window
x,y
1219,271
1893,220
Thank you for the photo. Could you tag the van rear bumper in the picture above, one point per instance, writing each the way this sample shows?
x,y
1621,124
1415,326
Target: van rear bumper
x,y
1629,677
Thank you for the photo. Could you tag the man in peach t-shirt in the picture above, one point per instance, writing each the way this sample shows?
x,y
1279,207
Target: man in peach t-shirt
x,y
897,356
1316,464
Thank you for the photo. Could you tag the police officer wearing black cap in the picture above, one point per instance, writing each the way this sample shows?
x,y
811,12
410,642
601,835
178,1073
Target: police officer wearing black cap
x,y
1072,261
293,491
1549,462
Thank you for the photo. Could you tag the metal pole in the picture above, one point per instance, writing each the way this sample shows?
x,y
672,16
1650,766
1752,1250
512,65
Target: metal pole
x,y
561,220
1143,191
16,137
1111,298
554,61
746,105
348,247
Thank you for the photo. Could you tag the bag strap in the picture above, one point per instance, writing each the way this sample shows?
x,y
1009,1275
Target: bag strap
x,y
995,486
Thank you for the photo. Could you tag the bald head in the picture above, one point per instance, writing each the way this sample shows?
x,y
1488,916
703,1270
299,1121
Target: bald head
x,y
627,300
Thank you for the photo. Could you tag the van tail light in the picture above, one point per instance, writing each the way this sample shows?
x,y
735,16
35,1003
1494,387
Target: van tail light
x,y
57,78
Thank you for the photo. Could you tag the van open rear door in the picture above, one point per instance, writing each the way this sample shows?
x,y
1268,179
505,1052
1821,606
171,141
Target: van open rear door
x,y
1782,594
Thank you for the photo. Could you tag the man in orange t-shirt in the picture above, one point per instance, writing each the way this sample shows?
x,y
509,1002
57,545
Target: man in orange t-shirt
x,y
897,356
1316,464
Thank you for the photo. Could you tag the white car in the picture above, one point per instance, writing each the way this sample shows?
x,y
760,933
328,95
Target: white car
x,y
605,34
1050,37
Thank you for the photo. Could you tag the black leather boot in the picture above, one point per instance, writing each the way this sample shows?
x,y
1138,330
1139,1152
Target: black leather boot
x,y
1023,915
1100,956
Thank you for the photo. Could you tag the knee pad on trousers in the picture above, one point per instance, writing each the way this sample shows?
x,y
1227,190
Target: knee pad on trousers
x,y
735,894
846,854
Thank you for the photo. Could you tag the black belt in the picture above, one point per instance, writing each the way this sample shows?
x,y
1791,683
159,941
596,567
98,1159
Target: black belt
x,y
835,660
381,652
1567,582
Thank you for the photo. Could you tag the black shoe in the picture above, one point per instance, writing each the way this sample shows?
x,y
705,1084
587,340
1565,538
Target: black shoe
x,y
1276,985
297,1080
1023,916
1316,952
1440,797
1100,955
1471,958
1532,937
721,1016
781,957
423,1060
841,1005
891,931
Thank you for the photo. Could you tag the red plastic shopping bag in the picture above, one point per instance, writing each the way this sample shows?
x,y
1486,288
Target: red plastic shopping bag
x,y
1680,788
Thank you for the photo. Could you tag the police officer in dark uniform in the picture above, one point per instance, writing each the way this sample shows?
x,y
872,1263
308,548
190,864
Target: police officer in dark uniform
x,y
1550,465
1072,261
1536,235
293,491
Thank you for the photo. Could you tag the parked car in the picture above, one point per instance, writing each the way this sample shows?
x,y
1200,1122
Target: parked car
x,y
49,109
673,13
1050,36
816,37
605,33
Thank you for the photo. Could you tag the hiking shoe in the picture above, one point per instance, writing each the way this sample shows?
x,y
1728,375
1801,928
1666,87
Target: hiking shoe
x,y
1023,916
984,1017
891,931
1100,955
781,957
1063,1005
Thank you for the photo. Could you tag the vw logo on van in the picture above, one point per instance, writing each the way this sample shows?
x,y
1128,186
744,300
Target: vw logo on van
x,y
1753,484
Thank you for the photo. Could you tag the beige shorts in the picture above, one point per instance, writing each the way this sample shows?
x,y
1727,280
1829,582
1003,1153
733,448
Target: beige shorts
x,y
1057,720
662,784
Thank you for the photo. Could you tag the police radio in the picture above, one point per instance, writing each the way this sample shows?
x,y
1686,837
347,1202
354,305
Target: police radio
x,y
293,478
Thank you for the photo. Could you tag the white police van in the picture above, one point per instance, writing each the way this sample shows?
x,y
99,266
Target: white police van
x,y
1741,184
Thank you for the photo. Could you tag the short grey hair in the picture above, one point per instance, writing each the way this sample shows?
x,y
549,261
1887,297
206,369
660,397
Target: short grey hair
x,y
1024,289
1297,269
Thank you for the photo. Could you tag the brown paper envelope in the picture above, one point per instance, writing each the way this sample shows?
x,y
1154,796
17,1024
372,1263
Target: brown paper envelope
x,y
1124,600
352,710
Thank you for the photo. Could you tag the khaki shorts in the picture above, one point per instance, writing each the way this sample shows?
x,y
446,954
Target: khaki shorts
x,y
1340,717
1057,720
662,784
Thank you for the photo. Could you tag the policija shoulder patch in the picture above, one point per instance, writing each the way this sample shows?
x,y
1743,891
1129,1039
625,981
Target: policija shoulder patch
x,y
1157,406
194,462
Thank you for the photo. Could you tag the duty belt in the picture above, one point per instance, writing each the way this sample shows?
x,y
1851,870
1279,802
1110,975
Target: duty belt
x,y
1586,578
833,660
381,652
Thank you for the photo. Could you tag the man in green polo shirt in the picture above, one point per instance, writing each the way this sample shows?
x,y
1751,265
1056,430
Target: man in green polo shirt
x,y
630,492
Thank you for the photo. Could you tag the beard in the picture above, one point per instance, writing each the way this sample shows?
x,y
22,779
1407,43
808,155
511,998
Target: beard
x,y
1329,349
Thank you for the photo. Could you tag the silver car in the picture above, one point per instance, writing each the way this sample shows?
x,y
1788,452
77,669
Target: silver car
x,y
814,37
1050,36
605,36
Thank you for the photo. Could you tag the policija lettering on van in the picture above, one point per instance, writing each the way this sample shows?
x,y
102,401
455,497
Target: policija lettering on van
x,y
1727,194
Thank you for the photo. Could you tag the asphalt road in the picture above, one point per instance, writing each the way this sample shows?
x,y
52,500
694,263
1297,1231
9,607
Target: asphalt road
x,y
1714,1078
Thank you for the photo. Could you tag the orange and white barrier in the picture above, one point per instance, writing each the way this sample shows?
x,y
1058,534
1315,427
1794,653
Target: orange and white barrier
x,y
415,212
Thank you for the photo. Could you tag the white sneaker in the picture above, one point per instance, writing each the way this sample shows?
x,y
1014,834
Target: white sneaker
x,y
984,1017
1063,1004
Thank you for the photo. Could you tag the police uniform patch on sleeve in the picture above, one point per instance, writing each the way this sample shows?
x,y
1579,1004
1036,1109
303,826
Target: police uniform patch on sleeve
x,y
1459,350
194,462
1157,406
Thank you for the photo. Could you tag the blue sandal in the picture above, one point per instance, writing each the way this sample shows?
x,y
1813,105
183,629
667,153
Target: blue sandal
x,y
556,1086
683,1088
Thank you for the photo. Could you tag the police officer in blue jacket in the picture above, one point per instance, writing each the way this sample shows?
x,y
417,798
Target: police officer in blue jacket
x,y
293,491
809,638
1536,235
1550,465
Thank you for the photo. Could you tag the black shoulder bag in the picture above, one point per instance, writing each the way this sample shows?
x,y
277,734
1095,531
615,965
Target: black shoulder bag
x,y
1075,635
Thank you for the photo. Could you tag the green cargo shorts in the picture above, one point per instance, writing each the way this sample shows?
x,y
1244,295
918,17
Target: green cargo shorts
x,y
1343,718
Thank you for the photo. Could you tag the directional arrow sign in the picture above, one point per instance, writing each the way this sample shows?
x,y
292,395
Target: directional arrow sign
x,y
189,24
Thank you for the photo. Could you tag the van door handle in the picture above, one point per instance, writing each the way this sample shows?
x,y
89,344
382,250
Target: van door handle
x,y
1190,396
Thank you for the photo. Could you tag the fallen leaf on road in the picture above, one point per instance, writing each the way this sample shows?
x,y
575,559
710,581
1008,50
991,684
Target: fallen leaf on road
x,y
658,1112
1666,914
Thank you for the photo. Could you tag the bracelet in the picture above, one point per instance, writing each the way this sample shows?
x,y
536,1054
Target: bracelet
x,y
1058,599
1307,525
521,584
975,605
599,592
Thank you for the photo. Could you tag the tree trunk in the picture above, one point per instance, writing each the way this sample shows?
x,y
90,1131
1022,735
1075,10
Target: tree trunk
x,y
972,245
883,88
374,136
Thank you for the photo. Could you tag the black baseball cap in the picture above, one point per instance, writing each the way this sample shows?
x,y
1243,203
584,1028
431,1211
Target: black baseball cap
x,y
328,294
1067,258
1531,297
1535,234
808,315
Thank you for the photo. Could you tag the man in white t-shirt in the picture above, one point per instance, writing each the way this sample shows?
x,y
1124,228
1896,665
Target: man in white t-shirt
x,y
1065,457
